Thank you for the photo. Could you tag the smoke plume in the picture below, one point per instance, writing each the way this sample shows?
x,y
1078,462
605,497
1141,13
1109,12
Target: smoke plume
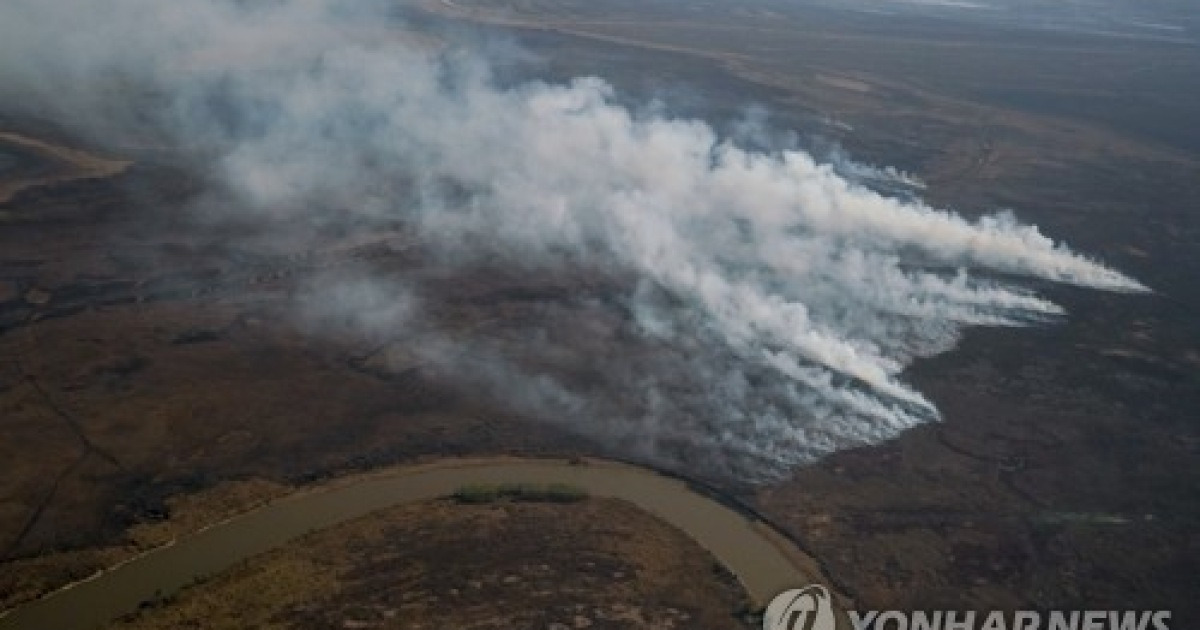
x,y
773,300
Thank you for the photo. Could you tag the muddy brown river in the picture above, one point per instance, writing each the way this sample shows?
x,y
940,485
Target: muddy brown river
x,y
762,560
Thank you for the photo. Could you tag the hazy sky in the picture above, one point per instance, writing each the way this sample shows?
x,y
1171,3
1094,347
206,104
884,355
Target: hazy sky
x,y
1150,19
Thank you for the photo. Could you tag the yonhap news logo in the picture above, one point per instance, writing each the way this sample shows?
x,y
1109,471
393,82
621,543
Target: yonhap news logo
x,y
807,608
811,608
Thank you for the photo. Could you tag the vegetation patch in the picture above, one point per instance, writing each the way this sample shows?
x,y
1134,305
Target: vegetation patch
x,y
526,492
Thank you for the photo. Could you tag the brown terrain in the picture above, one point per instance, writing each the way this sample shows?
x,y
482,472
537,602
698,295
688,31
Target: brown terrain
x,y
1064,474
143,359
127,382
597,563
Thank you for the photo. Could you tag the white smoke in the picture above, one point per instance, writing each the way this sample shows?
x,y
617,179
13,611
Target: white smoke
x,y
886,179
790,297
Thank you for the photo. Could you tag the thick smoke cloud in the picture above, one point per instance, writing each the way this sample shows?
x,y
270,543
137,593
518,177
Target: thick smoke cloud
x,y
783,297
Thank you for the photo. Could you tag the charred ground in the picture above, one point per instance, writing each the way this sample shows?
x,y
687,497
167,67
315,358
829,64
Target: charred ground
x,y
145,358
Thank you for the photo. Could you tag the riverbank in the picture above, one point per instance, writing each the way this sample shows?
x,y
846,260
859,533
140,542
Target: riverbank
x,y
589,563
760,560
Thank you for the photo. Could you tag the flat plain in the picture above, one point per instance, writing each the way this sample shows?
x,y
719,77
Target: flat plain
x,y
142,366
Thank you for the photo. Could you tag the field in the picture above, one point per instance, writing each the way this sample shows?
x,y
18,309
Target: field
x,y
145,358
598,563
1063,474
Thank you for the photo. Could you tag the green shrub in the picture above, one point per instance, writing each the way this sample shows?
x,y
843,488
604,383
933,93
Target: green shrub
x,y
528,492
476,494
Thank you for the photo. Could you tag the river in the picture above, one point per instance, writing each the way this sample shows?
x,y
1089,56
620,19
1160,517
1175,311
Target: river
x,y
763,561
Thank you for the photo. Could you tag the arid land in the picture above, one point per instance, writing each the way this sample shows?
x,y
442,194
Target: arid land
x,y
144,367
598,563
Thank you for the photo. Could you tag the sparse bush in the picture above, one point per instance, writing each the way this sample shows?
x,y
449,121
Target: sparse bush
x,y
565,493
528,492
476,494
